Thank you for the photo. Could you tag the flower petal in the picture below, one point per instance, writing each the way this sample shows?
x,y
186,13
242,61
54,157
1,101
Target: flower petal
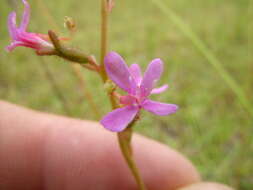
x,y
136,73
118,119
118,72
160,89
13,45
12,25
159,108
151,75
26,16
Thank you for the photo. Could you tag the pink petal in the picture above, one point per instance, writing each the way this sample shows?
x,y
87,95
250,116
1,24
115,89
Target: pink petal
x,y
160,89
26,16
12,25
14,45
151,75
118,119
118,72
136,73
27,37
159,108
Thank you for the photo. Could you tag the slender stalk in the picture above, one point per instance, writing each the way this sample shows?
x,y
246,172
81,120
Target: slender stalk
x,y
124,137
104,37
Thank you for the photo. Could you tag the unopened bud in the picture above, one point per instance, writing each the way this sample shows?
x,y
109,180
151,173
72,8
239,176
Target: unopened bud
x,y
70,24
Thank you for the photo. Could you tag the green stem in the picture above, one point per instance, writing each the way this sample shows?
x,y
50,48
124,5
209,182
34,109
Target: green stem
x,y
104,37
124,139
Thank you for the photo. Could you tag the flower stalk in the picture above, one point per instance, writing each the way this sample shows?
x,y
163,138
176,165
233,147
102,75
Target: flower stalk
x,y
104,37
124,137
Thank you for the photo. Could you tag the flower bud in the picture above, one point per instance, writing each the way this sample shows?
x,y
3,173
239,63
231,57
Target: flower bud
x,y
70,24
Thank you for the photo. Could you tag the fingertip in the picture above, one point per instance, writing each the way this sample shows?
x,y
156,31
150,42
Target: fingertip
x,y
82,155
207,186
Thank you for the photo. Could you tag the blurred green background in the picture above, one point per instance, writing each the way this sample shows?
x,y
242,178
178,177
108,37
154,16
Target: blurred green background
x,y
212,128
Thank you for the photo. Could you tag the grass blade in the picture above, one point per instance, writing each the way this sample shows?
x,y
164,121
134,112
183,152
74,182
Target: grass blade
x,y
203,49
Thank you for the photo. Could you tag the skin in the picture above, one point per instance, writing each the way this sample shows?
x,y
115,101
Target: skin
x,y
45,151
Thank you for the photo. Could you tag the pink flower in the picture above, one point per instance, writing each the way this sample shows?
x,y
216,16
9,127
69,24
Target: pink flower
x,y
138,89
22,38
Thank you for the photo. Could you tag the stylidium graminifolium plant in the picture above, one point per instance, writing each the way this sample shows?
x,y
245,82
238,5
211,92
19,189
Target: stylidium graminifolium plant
x,y
112,68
